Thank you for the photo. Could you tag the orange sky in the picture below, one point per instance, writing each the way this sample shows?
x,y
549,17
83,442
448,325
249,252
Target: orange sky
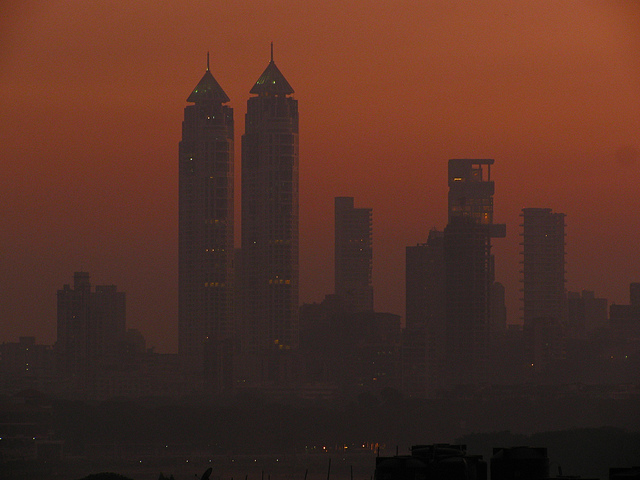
x,y
91,102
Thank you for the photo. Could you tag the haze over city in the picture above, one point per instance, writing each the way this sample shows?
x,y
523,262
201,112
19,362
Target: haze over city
x,y
92,97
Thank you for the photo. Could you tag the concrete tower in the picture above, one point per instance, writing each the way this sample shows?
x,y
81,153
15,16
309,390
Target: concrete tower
x,y
469,269
270,217
544,295
353,255
543,264
425,322
205,251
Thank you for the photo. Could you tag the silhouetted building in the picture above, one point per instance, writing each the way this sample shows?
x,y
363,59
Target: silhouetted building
x,y
544,344
425,286
425,327
90,328
623,350
318,337
353,255
625,319
585,313
25,365
507,357
270,221
371,349
624,473
469,267
543,264
205,225
498,316
520,463
634,294
357,351
441,461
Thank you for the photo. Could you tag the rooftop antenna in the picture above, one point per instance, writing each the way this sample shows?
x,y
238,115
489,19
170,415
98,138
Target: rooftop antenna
x,y
271,52
207,60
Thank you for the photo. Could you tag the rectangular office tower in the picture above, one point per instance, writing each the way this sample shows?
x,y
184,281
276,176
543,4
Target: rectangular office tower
x,y
270,217
90,327
205,226
543,264
469,269
353,255
425,322
544,295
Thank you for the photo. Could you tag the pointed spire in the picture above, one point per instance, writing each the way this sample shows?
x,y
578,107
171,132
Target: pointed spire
x,y
272,81
208,89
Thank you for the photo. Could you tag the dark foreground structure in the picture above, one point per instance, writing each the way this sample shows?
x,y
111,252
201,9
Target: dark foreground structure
x,y
432,462
451,462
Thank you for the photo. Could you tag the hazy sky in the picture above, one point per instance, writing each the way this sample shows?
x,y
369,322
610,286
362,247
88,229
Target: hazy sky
x,y
91,104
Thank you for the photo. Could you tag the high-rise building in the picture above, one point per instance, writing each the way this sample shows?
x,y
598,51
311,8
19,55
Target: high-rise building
x,y
469,269
353,255
91,326
425,286
270,217
543,264
423,343
205,225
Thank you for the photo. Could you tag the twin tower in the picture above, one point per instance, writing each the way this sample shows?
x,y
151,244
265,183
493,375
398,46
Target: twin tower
x,y
238,302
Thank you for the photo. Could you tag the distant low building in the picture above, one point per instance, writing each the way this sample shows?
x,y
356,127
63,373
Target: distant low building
x,y
585,313
26,365
625,319
356,351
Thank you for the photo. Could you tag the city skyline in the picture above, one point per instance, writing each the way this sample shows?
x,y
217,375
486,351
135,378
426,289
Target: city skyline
x,y
91,176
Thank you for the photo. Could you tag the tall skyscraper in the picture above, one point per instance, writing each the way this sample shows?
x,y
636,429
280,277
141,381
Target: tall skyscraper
x,y
353,255
544,295
543,264
425,328
469,268
270,216
206,247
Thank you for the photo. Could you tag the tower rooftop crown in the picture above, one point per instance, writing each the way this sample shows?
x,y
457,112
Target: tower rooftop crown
x,y
272,81
208,89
